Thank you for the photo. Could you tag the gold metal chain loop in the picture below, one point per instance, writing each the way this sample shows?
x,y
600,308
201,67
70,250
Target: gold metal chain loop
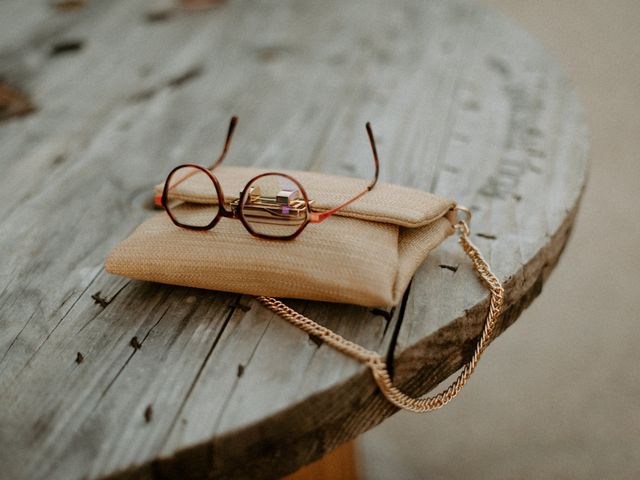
x,y
377,363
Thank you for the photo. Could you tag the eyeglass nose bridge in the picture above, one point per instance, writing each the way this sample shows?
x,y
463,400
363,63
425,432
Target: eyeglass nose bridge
x,y
233,210
229,213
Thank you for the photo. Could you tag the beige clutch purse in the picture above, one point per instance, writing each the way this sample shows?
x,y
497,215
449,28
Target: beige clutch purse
x,y
365,254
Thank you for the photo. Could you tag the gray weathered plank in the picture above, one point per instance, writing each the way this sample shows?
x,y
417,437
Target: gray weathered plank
x,y
463,103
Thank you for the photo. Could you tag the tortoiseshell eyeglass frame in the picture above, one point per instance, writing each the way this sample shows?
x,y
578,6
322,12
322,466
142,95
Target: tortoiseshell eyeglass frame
x,y
238,214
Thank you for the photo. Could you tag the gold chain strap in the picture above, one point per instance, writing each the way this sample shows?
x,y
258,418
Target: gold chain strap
x,y
377,363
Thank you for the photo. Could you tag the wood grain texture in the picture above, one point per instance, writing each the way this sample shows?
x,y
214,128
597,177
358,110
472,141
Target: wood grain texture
x,y
463,103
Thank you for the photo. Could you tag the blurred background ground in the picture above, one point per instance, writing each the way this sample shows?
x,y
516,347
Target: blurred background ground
x,y
557,395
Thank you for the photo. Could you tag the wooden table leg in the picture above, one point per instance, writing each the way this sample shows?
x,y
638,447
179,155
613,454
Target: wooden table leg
x,y
337,465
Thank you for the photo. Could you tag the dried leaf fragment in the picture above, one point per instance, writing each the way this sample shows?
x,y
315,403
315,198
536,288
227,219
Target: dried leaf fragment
x,y
13,103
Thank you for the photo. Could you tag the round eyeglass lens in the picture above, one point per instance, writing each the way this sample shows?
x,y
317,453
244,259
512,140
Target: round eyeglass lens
x,y
192,198
275,206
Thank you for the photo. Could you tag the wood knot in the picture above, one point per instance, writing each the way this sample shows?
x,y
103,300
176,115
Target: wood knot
x,y
135,343
100,300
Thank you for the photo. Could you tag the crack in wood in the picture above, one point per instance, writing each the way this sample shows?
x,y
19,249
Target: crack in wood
x,y
16,338
235,383
186,77
485,235
32,356
178,413
148,413
387,323
124,365
65,47
173,83
453,268
315,340
390,357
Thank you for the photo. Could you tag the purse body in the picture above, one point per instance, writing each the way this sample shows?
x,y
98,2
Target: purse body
x,y
365,254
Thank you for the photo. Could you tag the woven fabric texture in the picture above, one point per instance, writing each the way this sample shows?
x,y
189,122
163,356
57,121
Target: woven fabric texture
x,y
364,256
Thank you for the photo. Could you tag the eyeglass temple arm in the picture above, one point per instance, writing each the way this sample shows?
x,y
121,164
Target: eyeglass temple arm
x,y
317,217
232,126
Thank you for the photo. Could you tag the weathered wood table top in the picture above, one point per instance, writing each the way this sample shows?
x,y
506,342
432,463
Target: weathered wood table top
x,y
463,103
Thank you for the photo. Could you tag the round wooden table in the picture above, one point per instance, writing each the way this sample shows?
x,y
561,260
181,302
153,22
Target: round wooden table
x,y
101,376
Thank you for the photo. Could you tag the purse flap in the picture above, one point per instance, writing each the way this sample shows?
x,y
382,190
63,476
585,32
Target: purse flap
x,y
386,203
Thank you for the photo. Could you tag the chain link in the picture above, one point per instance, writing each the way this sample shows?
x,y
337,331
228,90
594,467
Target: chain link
x,y
377,363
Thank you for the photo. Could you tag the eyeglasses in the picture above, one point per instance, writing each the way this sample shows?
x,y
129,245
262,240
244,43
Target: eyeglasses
x,y
272,205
